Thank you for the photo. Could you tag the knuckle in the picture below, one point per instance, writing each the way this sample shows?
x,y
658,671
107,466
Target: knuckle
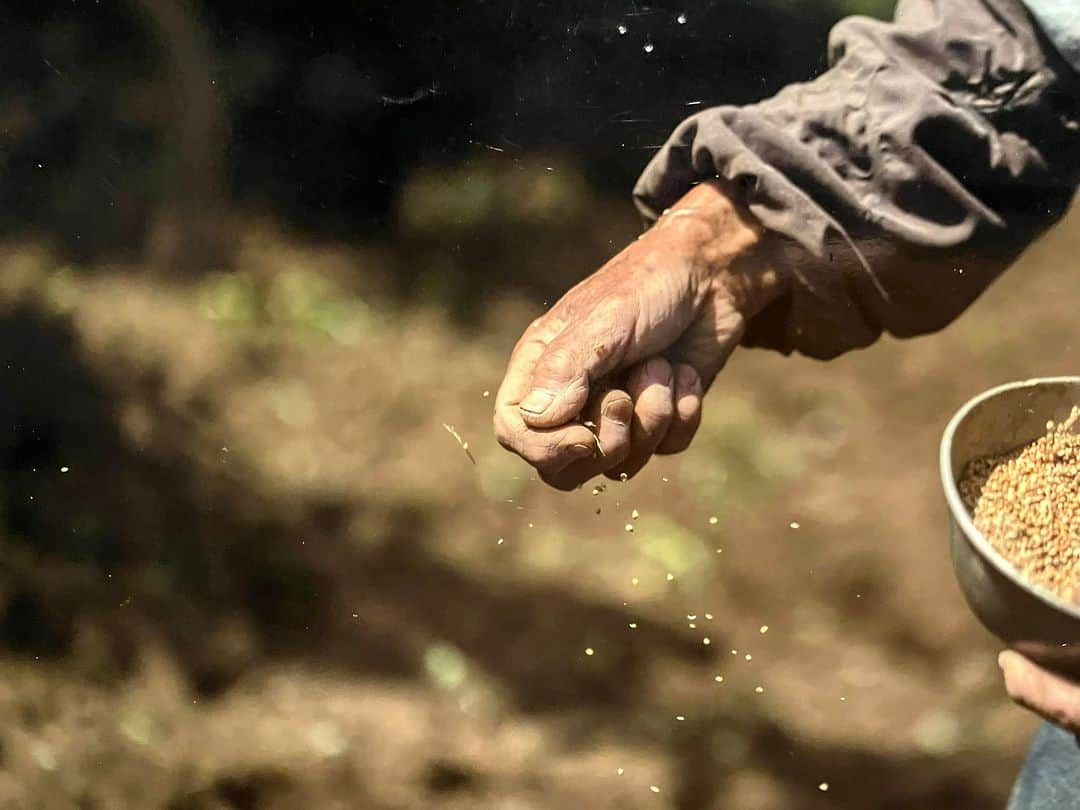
x,y
558,365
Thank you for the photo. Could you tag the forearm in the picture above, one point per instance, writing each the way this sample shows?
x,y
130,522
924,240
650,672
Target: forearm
x,y
900,183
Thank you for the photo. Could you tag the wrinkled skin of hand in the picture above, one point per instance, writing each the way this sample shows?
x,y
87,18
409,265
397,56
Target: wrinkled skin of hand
x,y
1049,695
616,370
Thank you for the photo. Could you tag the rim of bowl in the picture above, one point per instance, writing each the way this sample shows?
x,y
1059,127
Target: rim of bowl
x,y
959,512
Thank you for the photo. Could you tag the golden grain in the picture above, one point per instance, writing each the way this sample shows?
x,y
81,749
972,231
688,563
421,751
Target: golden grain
x,y
1027,504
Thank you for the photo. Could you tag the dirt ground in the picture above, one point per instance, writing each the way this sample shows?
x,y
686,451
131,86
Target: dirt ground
x,y
246,566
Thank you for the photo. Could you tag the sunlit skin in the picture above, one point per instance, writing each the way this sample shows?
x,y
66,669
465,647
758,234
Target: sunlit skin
x,y
616,371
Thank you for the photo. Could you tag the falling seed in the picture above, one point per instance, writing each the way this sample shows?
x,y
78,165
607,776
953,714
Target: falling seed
x,y
794,524
487,394
681,19
749,657
824,786
763,629
634,580
590,651
619,771
691,616
719,551
649,47
708,616
706,641
624,477
842,699
680,717
759,689
501,541
719,679
670,577
64,469
464,444
630,527
635,515
623,29
713,520
734,652
530,525
654,788
693,626
633,625
664,478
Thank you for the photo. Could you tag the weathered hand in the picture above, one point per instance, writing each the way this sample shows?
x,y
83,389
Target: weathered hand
x,y
1051,696
617,369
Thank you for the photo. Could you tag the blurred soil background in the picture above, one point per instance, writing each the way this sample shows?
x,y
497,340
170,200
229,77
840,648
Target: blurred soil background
x,y
254,257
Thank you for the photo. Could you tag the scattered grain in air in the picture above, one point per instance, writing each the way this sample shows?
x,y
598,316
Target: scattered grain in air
x,y
759,689
691,616
624,477
843,699
795,524
619,771
708,616
501,541
64,469
630,527
487,394
664,478
719,679
734,652
719,551
635,515
634,580
464,444
589,651
654,788
680,717
824,786
713,520
706,641
530,525
670,577
693,626
749,657
763,629
633,625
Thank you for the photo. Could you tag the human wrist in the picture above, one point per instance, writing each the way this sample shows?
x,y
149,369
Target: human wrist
x,y
728,252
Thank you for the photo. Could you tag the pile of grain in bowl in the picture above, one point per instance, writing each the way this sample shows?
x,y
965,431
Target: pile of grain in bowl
x,y
1027,504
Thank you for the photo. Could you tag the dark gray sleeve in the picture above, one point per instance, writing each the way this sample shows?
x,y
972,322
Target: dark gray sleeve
x,y
903,180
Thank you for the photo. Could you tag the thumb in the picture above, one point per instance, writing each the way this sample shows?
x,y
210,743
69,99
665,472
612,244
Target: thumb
x,y
571,365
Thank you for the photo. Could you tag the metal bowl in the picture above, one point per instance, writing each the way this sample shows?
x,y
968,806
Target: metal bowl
x,y
1024,616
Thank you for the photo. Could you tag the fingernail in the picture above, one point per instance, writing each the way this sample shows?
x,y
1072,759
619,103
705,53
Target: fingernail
x,y
537,401
686,377
583,450
620,411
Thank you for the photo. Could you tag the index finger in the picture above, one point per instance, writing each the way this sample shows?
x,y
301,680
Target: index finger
x,y
548,449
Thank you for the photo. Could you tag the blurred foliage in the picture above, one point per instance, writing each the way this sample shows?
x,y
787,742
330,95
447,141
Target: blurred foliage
x,y
321,111
439,200
309,304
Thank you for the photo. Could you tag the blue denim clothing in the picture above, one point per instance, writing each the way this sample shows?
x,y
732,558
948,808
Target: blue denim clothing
x,y
1050,779
1060,19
